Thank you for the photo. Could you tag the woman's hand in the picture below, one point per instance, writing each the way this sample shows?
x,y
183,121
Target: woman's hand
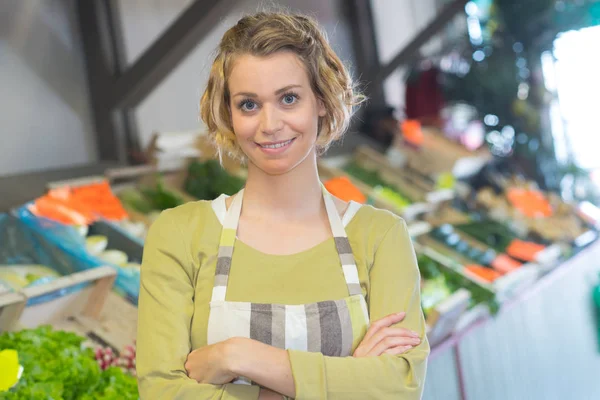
x,y
211,364
381,339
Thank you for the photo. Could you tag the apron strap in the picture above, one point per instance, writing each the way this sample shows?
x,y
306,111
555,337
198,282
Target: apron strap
x,y
342,245
226,243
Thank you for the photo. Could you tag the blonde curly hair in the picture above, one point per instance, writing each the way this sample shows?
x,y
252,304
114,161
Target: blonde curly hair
x,y
266,33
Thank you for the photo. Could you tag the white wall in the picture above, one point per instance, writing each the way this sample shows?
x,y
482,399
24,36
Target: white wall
x,y
174,104
44,110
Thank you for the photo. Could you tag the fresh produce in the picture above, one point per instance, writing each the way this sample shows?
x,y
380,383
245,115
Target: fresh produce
x,y
151,198
369,176
96,244
106,358
493,234
208,180
448,281
392,196
382,188
79,205
16,277
57,366
344,189
114,257
516,201
457,241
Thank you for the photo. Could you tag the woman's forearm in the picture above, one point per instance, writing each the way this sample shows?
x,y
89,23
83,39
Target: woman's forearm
x,y
266,365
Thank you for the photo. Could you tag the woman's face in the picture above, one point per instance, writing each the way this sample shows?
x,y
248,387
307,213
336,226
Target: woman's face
x,y
274,111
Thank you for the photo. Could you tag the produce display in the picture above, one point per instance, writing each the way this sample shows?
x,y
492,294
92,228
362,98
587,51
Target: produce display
x,y
107,358
16,277
556,220
477,245
438,283
381,187
148,200
370,177
81,205
208,180
97,246
58,365
487,263
502,239
344,189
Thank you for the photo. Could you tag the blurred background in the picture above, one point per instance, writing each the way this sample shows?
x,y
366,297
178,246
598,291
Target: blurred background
x,y
481,131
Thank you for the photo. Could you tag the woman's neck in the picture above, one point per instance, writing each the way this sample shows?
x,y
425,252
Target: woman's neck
x,y
294,195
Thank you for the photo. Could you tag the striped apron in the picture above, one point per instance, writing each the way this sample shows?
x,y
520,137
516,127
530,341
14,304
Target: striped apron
x,y
334,328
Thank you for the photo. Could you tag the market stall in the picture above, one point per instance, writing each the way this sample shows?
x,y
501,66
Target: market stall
x,y
487,258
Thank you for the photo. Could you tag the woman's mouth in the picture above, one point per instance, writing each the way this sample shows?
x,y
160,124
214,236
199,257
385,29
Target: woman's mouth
x,y
273,148
276,145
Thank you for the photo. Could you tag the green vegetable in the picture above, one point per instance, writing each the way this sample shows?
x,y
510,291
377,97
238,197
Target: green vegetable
x,y
161,198
148,199
368,176
494,234
57,367
382,188
113,384
136,200
432,270
208,180
392,196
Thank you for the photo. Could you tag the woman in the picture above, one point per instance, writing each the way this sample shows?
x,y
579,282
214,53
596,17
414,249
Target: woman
x,y
282,285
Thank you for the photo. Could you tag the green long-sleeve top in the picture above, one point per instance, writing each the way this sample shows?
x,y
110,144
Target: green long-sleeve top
x,y
177,276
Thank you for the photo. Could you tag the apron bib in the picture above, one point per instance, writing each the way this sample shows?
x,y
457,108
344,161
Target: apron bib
x,y
333,328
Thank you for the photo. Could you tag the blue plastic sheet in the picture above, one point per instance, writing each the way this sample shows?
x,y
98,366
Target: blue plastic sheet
x,y
21,246
70,244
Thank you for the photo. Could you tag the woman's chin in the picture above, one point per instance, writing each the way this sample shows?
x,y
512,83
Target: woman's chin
x,y
276,167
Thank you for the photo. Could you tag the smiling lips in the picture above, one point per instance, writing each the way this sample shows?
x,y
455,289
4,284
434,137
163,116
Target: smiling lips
x,y
276,145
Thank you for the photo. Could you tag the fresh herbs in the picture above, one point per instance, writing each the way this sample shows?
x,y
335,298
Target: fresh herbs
x,y
208,180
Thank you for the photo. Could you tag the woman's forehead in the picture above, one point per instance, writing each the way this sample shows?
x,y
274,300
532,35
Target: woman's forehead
x,y
267,74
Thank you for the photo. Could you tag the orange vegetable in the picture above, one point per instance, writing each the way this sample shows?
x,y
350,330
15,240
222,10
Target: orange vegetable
x,y
526,251
504,264
412,132
80,205
531,203
487,274
344,189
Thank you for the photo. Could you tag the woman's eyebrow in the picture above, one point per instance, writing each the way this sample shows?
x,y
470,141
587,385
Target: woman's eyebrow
x,y
278,91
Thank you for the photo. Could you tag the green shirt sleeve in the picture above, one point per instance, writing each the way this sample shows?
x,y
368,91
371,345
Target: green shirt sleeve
x,y
395,283
166,307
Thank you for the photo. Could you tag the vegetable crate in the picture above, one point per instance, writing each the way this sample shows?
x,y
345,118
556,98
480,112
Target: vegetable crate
x,y
331,168
454,312
414,186
438,154
94,312
70,242
505,287
128,179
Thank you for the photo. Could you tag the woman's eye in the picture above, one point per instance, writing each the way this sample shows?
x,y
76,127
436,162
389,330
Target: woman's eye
x,y
289,99
248,105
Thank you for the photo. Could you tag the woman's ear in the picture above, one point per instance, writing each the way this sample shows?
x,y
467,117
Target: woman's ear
x,y
321,108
